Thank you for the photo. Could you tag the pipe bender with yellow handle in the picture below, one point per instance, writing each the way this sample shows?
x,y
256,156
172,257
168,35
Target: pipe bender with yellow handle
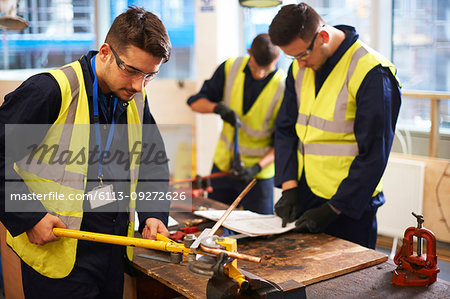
x,y
227,279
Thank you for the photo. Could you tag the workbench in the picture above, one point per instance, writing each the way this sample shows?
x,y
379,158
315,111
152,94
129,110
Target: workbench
x,y
329,267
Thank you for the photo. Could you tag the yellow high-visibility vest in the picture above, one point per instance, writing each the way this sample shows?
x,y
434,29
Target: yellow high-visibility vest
x,y
70,132
257,125
327,142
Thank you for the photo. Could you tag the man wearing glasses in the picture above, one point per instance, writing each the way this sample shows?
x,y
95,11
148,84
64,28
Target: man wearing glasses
x,y
246,92
335,127
97,106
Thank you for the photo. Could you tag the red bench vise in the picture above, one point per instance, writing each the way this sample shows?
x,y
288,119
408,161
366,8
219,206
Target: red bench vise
x,y
413,269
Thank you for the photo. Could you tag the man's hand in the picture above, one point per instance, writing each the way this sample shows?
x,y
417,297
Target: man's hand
x,y
227,115
315,220
246,174
152,227
42,232
288,205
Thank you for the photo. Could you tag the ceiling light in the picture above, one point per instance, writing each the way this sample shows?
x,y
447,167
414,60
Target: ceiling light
x,y
259,3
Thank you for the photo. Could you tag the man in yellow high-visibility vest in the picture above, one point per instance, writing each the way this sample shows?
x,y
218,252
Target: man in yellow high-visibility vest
x,y
246,92
102,134
335,127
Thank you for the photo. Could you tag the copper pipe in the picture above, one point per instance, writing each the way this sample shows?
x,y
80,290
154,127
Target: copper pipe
x,y
231,208
162,243
236,255
217,175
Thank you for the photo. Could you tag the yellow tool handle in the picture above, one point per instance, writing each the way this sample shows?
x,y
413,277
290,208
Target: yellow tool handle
x,y
162,243
231,271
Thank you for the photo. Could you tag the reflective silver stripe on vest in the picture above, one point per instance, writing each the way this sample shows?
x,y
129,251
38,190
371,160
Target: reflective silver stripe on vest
x,y
70,119
58,172
299,83
329,149
302,119
339,124
230,80
132,215
139,100
278,94
134,174
75,90
256,133
74,87
300,146
71,222
251,152
265,131
331,126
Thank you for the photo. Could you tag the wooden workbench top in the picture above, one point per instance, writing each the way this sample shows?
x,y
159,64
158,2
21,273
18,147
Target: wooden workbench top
x,y
329,266
304,258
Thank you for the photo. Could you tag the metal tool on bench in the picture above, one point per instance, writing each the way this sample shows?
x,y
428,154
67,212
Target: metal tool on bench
x,y
413,269
174,258
221,267
180,234
227,281
161,243
222,251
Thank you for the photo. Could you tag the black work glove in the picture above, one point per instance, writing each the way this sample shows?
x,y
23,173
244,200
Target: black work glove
x,y
227,115
288,205
246,174
315,220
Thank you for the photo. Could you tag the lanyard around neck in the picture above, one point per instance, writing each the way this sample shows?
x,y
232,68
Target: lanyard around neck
x,y
98,140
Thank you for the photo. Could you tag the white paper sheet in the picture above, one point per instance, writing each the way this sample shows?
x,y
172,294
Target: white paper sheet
x,y
249,223
172,222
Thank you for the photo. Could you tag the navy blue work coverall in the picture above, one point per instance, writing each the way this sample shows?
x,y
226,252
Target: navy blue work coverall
x,y
99,268
260,198
378,103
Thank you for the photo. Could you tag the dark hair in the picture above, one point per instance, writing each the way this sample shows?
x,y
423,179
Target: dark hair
x,y
142,29
292,21
263,51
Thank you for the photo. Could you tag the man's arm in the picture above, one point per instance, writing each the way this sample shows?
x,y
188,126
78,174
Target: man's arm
x,y
211,91
245,175
42,232
378,104
152,227
286,163
203,105
153,177
209,99
267,159
286,140
35,101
